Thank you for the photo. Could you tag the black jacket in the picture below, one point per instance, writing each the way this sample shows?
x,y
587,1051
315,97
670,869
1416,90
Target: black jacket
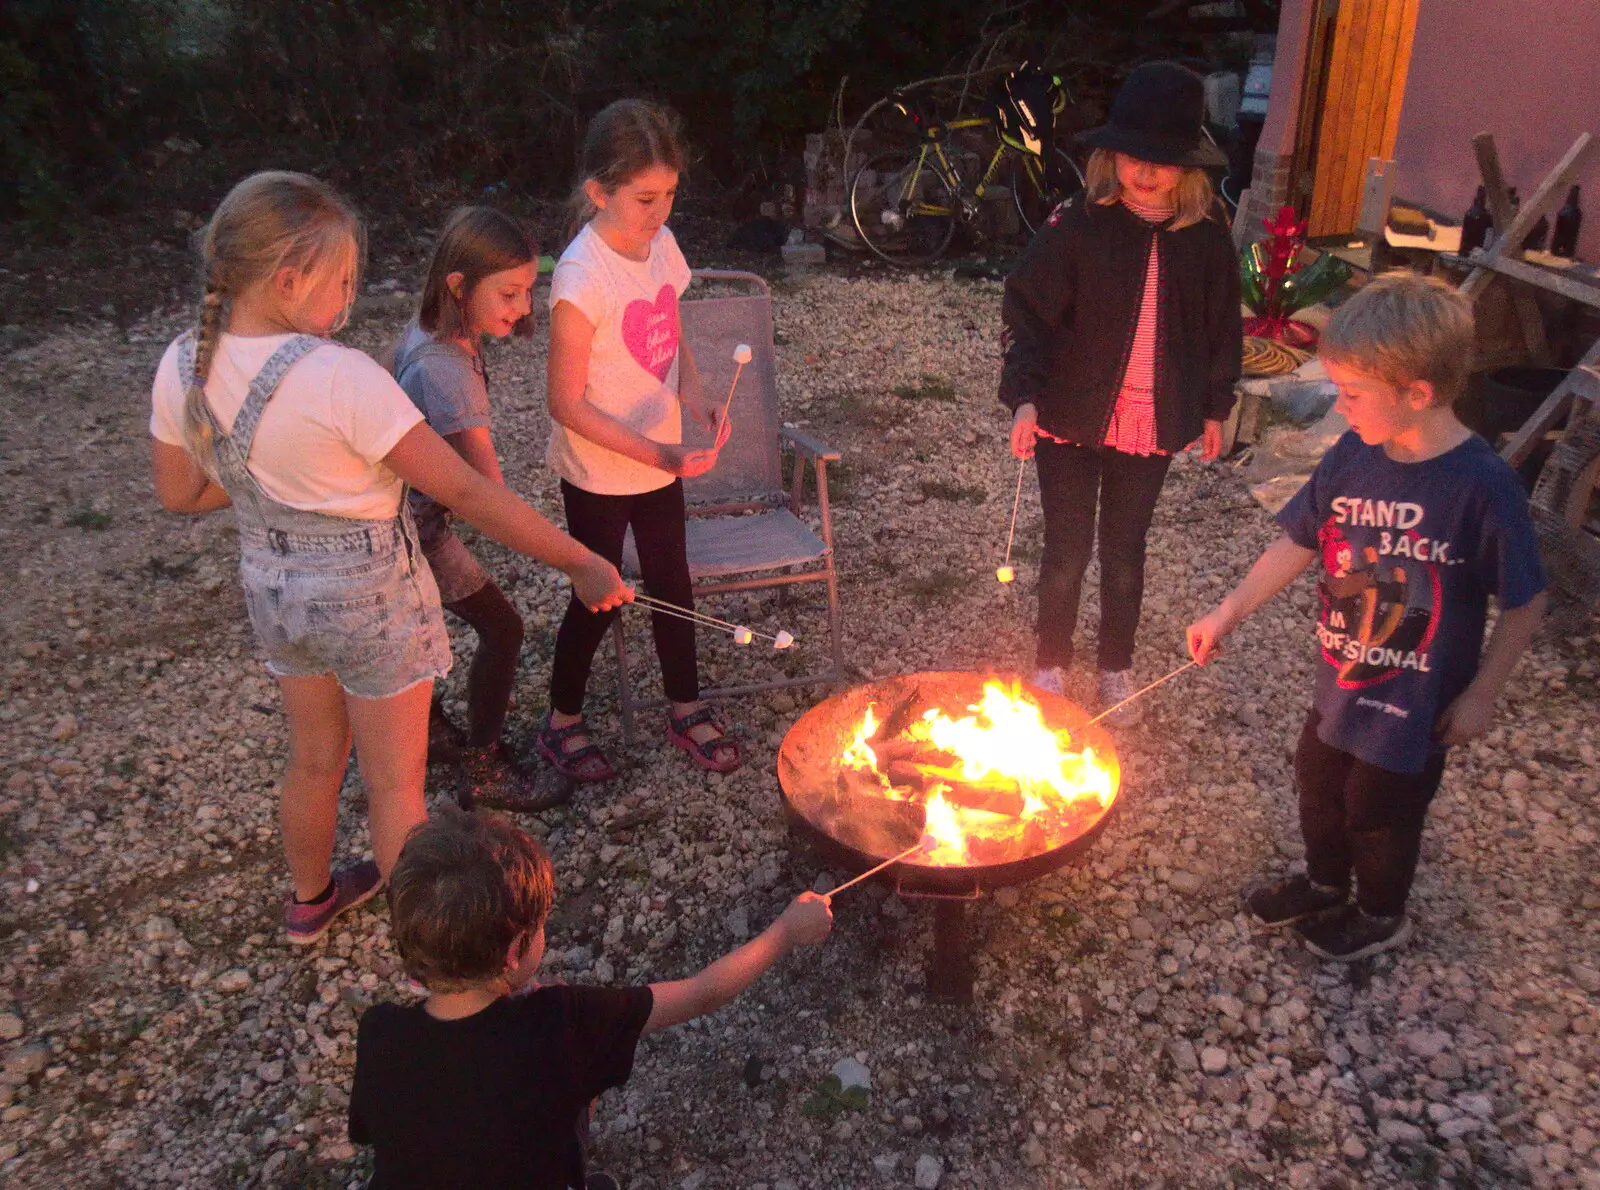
x,y
1072,306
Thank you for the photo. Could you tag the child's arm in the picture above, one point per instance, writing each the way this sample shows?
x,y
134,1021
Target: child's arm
x,y
567,380
805,922
1277,567
427,463
180,484
476,446
1471,714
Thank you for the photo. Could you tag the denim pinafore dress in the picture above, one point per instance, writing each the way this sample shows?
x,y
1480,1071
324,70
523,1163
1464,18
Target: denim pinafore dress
x,y
326,594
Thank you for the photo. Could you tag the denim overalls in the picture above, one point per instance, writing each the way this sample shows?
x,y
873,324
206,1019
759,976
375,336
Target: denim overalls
x,y
326,594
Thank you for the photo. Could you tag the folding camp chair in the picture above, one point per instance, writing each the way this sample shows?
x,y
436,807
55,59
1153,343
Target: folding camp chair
x,y
745,531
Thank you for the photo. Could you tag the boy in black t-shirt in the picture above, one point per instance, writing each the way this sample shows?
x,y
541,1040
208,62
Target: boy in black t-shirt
x,y
489,1083
1416,522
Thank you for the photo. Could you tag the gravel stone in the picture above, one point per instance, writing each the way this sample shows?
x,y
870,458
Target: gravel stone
x,y
1097,988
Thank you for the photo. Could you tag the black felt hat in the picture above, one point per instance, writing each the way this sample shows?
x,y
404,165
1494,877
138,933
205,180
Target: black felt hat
x,y
1157,116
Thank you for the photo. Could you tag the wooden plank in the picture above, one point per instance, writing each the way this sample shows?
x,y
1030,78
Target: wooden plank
x,y
1379,69
1543,200
1399,70
1579,383
1366,29
1366,86
1336,113
1537,275
1503,217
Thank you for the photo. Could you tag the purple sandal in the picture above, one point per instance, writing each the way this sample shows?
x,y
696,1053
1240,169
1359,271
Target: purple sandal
x,y
587,763
705,754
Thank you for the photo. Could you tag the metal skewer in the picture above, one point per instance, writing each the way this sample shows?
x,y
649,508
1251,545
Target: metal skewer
x,y
874,871
1137,693
695,617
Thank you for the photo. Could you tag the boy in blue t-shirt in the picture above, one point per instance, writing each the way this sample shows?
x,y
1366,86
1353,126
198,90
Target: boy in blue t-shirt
x,y
1416,522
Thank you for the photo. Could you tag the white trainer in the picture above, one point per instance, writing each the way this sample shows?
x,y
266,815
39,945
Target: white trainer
x,y
1052,679
1117,685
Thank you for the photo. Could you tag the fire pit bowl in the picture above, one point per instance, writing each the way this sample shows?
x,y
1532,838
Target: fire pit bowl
x,y
1001,782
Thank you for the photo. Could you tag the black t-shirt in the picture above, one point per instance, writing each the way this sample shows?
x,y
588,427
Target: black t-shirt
x,y
494,1100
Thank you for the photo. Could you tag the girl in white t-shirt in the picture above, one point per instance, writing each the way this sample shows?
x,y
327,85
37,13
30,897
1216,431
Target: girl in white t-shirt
x,y
313,444
620,378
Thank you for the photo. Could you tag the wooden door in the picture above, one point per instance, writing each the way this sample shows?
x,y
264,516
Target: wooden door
x,y
1366,45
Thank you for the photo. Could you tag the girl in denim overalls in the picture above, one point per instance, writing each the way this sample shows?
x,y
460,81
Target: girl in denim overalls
x,y
313,445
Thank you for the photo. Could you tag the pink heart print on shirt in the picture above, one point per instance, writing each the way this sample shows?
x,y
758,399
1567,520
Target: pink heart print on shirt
x,y
650,331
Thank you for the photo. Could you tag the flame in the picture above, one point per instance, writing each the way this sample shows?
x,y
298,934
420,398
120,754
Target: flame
x,y
943,829
994,781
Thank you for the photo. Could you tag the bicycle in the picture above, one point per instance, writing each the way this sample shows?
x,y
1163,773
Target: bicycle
x,y
905,202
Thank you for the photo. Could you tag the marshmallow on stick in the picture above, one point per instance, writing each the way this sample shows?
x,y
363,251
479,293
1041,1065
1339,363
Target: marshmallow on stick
x,y
742,355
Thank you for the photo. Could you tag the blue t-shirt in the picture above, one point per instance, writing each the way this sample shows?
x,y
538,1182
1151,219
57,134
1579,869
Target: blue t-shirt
x,y
450,387
1410,554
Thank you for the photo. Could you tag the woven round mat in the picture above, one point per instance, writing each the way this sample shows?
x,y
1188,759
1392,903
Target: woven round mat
x,y
1267,357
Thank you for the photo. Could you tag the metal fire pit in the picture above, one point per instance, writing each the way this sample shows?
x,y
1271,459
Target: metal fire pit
x,y
809,769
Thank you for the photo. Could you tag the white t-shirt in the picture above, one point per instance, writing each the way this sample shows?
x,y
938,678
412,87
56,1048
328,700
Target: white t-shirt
x,y
322,437
633,364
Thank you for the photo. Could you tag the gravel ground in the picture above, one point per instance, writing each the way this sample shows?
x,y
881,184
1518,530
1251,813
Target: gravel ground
x,y
1131,1029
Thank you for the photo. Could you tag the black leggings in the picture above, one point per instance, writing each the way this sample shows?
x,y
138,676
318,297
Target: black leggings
x,y
601,522
494,665
1362,820
1072,481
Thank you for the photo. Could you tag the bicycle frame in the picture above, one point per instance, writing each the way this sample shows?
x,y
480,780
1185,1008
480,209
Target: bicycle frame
x,y
941,164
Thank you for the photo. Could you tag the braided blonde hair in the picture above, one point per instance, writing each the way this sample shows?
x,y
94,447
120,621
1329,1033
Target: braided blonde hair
x,y
269,221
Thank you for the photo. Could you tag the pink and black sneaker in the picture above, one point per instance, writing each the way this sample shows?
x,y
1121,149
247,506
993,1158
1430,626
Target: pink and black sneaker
x,y
352,886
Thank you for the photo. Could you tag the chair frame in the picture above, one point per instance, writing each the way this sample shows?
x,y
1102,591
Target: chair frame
x,y
808,450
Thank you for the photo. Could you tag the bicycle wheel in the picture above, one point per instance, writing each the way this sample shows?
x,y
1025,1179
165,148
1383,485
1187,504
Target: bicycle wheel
x,y
902,208
1037,190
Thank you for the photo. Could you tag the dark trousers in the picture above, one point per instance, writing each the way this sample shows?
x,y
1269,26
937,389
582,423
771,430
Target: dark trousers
x,y
1073,482
494,665
601,522
1361,820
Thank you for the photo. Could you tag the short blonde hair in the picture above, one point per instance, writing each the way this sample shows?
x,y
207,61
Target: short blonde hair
x,y
1403,327
1193,200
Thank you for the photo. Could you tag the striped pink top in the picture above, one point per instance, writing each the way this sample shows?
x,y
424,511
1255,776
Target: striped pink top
x,y
1133,420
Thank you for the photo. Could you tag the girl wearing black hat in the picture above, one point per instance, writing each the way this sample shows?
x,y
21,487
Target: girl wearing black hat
x,y
1122,345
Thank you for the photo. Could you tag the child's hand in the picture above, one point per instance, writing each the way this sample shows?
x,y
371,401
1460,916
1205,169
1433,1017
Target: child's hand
x,y
724,431
807,920
598,586
1024,431
1206,633
1467,718
694,404
686,461
1211,440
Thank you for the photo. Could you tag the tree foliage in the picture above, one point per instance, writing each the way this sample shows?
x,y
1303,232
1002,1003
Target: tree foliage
x,y
476,92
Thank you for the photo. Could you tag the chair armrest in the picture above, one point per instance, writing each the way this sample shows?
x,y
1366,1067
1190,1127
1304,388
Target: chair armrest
x,y
814,447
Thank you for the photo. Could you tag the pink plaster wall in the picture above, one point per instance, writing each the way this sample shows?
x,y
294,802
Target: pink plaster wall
x,y
1526,71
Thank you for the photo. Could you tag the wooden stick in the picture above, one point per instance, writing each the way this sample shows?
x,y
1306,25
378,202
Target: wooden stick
x,y
874,871
1016,503
737,368
1137,693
